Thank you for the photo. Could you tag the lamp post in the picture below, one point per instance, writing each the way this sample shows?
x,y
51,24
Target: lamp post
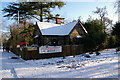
x,y
1,35
1,43
18,17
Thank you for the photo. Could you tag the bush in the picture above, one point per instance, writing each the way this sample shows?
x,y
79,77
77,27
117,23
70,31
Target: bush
x,y
97,53
96,35
118,49
112,42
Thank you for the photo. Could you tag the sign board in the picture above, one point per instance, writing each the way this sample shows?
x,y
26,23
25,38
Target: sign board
x,y
31,48
50,49
18,46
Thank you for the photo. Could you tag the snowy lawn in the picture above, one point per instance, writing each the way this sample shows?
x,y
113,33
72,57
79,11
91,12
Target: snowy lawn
x,y
103,66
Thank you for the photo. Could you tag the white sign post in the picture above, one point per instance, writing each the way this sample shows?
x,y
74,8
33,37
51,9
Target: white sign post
x,y
50,49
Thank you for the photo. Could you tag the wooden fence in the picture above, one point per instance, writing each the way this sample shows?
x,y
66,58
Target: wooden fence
x,y
67,50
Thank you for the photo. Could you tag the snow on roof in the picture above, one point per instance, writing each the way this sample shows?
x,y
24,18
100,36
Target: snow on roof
x,y
83,28
45,25
56,29
36,36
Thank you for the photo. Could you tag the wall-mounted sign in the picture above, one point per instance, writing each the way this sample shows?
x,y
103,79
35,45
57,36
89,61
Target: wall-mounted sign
x,y
50,49
31,48
18,46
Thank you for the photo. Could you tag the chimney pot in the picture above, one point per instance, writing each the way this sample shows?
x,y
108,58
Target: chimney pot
x,y
58,19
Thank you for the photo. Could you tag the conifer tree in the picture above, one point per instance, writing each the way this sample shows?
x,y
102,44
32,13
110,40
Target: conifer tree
x,y
28,10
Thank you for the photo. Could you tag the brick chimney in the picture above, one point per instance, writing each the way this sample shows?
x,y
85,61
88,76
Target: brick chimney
x,y
58,19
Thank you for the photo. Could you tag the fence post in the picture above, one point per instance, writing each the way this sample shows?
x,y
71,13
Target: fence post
x,y
64,51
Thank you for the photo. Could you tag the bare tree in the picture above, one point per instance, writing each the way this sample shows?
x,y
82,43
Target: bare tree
x,y
102,13
117,6
3,39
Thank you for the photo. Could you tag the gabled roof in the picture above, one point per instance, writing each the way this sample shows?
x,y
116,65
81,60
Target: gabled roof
x,y
56,29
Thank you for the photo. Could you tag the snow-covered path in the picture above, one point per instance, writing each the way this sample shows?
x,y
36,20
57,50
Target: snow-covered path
x,y
9,65
102,66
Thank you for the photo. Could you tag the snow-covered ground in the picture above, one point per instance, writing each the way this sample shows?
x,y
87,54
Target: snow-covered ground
x,y
103,66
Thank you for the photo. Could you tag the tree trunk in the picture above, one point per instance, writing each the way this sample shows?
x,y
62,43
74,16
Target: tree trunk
x,y
41,13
